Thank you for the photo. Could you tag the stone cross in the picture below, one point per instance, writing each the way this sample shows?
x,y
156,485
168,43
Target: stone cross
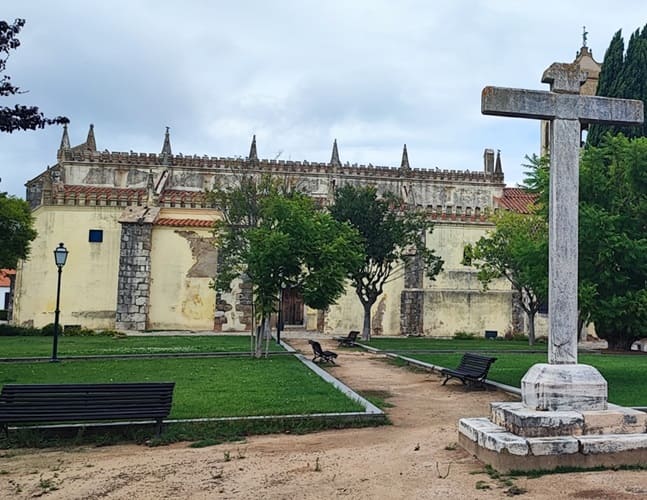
x,y
567,111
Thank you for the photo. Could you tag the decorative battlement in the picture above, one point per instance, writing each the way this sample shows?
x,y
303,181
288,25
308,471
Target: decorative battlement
x,y
116,159
114,197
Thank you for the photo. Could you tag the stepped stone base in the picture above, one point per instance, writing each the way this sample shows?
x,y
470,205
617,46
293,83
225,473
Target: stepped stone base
x,y
519,438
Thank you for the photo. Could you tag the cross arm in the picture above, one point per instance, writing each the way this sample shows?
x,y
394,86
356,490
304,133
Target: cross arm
x,y
542,105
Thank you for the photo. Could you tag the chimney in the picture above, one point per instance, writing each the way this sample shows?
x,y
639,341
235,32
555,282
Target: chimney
x,y
488,161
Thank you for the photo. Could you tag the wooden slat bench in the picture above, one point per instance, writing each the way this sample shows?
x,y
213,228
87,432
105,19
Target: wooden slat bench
x,y
73,403
349,340
472,369
320,354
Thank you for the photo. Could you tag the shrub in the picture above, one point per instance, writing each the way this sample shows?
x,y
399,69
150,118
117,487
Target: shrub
x,y
516,336
464,336
48,330
11,331
79,331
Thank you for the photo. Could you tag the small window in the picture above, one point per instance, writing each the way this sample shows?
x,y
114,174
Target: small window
x,y
95,236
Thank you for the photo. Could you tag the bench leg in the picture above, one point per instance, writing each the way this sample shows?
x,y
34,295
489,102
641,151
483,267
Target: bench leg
x,y
158,427
5,428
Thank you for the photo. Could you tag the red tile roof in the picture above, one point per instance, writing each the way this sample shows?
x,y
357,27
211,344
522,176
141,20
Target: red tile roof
x,y
517,200
4,277
174,197
183,222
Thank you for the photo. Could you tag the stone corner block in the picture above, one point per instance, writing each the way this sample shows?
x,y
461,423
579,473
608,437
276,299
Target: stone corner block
x,y
612,443
556,445
564,387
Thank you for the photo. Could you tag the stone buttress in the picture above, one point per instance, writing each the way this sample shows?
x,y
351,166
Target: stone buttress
x,y
133,288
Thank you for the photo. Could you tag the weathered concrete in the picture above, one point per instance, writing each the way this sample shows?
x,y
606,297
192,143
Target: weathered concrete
x,y
523,421
563,387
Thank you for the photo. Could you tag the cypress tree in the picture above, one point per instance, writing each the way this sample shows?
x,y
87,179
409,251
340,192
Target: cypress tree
x,y
633,80
608,83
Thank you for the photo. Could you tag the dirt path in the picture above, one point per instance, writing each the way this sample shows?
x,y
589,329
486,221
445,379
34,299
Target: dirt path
x,y
416,457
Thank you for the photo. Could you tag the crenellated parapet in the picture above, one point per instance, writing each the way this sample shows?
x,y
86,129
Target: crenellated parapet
x,y
85,176
274,166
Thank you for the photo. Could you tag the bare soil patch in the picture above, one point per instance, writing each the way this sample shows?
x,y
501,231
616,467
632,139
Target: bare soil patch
x,y
416,457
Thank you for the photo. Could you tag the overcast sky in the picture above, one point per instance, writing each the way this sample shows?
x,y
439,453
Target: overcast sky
x,y
375,74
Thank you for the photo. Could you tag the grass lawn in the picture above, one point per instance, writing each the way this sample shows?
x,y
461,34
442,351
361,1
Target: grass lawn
x,y
476,345
624,373
204,387
30,346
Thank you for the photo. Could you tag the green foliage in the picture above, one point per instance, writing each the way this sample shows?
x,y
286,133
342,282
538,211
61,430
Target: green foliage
x,y
17,117
16,230
12,331
622,75
48,330
465,336
517,250
391,233
613,239
276,237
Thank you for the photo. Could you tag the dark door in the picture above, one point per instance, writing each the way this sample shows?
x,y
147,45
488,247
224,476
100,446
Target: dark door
x,y
292,310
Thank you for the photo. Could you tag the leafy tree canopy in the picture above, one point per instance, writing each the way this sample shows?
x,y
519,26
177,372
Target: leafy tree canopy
x,y
622,75
391,233
18,117
277,237
16,230
517,249
613,238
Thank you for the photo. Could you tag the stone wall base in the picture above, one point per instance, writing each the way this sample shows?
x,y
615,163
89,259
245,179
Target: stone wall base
x,y
516,438
505,462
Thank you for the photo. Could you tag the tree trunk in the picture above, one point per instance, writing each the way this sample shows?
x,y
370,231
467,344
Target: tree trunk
x,y
620,343
366,329
531,328
261,331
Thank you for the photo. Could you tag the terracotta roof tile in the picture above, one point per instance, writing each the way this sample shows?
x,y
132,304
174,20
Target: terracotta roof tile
x,y
517,200
183,222
4,277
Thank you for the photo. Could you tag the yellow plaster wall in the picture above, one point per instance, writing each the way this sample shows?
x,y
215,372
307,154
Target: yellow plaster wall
x,y
178,301
89,278
454,301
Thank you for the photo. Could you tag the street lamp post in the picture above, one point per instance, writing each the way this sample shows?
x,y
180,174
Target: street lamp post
x,y
60,256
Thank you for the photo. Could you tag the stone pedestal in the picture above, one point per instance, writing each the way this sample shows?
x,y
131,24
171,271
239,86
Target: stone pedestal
x,y
564,387
516,438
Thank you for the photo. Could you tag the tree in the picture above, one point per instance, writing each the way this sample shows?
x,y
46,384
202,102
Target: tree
x,y
517,250
612,262
276,237
387,236
613,239
16,230
17,117
622,75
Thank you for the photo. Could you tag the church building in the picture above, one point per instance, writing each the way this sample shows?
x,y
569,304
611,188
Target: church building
x,y
142,257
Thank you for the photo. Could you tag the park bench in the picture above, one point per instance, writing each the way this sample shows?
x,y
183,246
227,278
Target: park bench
x,y
472,369
348,340
320,354
72,403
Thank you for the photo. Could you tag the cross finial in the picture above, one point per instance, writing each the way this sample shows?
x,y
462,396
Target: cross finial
x,y
584,36
564,78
